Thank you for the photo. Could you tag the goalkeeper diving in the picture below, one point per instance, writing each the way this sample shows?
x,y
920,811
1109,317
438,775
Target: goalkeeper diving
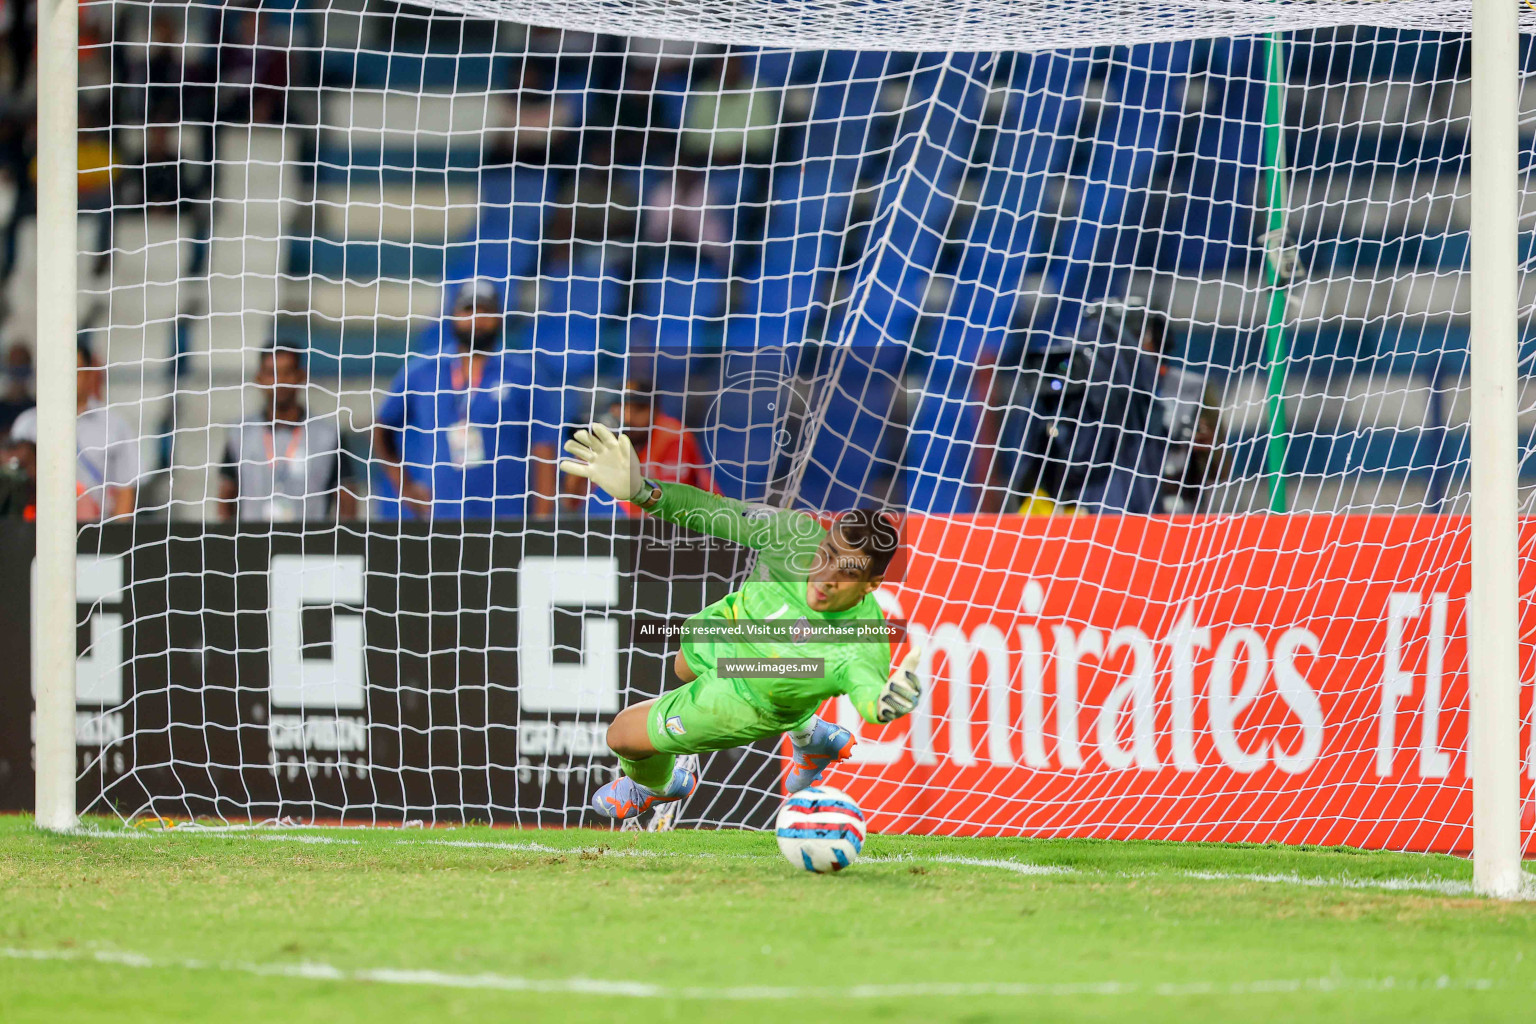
x,y
806,575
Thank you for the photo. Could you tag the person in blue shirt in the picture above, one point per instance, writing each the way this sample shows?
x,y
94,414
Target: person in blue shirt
x,y
467,432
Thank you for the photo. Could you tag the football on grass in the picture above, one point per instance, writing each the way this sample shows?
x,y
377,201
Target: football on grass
x,y
821,829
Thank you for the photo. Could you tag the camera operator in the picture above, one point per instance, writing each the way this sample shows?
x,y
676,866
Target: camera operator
x,y
1189,415
1079,414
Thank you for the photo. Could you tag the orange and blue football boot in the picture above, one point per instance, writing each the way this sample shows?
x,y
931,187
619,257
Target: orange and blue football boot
x,y
828,744
625,798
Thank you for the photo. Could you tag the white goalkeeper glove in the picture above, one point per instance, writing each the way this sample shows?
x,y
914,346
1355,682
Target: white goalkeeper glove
x,y
902,691
607,459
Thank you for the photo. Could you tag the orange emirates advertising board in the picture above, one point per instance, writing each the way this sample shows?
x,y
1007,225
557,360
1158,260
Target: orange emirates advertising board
x,y
1298,679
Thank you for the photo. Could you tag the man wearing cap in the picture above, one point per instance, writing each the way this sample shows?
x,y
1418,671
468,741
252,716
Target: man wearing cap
x,y
466,433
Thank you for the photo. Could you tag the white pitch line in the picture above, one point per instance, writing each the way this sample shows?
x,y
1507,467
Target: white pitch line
x,y
1443,886
214,834
649,990
1016,866
1439,886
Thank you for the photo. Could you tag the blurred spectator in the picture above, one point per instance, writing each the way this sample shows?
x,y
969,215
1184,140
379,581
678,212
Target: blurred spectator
x,y
668,452
568,43
1131,437
108,463
533,123
96,24
18,155
467,432
666,56
681,211
98,171
273,70
16,390
729,119
18,22
18,479
164,79
95,154
586,258
253,68
644,133
168,181
1080,424
284,465
595,207
162,167
164,68
637,122
568,53
1189,418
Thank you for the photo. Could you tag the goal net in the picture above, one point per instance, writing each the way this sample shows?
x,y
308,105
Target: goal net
x,y
1152,320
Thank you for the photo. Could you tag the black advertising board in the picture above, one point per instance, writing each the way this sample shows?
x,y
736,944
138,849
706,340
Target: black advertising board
x,y
365,672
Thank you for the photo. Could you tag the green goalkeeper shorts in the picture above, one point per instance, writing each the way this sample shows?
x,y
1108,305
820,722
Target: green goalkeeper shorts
x,y
709,714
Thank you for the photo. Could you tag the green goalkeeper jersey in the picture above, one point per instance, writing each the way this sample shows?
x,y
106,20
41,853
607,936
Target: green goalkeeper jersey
x,y
786,542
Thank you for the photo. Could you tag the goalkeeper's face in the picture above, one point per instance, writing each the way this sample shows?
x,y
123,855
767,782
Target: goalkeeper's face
x,y
840,578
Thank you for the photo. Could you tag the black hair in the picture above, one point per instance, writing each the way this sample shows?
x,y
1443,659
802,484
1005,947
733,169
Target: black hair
x,y
1136,322
1154,325
545,68
273,350
872,532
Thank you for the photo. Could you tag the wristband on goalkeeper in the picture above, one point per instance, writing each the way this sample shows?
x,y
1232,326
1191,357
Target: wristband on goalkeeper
x,y
648,494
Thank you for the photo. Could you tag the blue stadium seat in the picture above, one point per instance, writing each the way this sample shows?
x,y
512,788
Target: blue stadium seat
x,y
505,243
803,244
1135,134
769,68
855,454
679,308
1005,241
739,432
916,201
1034,141
680,303
847,97
941,436
503,246
1213,225
1204,165
579,324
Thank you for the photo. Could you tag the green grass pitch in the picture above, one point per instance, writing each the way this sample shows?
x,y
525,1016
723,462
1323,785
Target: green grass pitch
x,y
520,926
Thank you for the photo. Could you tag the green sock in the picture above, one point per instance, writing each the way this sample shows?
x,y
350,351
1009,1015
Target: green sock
x,y
654,772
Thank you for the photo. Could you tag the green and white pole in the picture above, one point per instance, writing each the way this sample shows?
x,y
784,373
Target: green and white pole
x,y
1279,266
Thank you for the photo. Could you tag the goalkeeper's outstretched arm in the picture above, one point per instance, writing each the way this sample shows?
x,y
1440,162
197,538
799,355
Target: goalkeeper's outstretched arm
x,y
609,461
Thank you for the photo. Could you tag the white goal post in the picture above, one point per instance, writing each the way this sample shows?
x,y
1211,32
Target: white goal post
x,y
53,633
1493,604
1495,725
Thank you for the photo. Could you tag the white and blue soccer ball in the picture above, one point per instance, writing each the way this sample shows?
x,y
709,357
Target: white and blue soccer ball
x,y
821,829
